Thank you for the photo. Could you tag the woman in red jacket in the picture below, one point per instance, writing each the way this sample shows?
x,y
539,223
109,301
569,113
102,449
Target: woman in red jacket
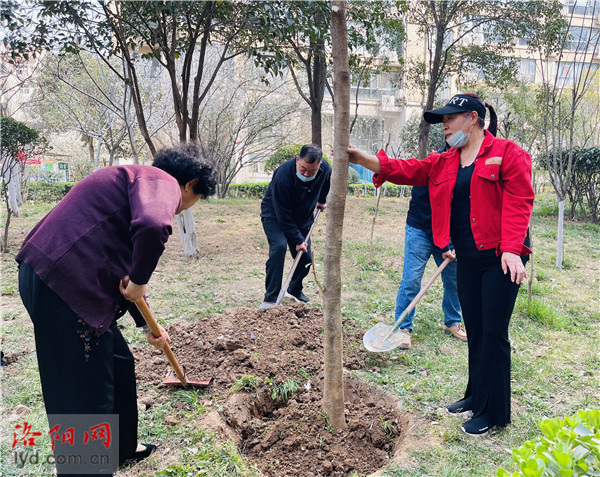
x,y
481,195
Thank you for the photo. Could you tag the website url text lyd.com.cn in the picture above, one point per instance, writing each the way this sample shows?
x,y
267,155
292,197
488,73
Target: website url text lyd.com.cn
x,y
21,459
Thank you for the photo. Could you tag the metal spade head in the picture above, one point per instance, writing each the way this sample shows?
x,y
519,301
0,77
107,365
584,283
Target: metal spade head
x,y
374,339
172,380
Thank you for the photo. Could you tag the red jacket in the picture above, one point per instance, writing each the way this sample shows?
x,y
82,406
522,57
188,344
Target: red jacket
x,y
501,192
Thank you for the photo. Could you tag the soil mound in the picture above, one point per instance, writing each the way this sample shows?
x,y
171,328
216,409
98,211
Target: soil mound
x,y
275,357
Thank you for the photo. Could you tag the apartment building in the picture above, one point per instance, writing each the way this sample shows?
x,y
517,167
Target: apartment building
x,y
384,103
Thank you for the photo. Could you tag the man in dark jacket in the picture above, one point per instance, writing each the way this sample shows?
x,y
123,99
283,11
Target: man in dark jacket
x,y
297,187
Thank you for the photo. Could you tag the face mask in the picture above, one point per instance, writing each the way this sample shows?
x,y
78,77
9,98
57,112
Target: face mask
x,y
304,179
459,138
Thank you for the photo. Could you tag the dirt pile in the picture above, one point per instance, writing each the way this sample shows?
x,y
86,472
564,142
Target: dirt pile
x,y
276,420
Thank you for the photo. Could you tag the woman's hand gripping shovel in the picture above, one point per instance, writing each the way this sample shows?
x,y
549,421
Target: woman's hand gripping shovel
x,y
286,284
171,380
383,337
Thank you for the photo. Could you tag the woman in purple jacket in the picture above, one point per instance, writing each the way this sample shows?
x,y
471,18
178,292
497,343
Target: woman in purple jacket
x,y
81,268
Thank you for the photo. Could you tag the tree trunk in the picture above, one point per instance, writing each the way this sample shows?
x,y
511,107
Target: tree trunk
x,y
333,388
97,155
315,124
6,225
317,91
187,232
434,76
560,235
90,143
127,100
136,159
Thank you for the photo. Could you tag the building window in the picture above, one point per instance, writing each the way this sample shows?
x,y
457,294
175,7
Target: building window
x,y
527,70
582,39
582,7
376,85
569,72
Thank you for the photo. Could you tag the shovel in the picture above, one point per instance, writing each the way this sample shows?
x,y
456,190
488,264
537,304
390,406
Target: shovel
x,y
286,284
383,337
171,380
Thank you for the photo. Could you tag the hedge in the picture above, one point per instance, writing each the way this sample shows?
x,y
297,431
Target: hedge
x,y
53,192
45,191
248,189
258,189
391,190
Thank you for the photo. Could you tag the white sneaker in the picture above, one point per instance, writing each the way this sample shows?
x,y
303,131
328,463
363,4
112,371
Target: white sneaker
x,y
266,304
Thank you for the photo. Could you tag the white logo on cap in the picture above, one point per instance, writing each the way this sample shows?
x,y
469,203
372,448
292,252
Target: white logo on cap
x,y
460,101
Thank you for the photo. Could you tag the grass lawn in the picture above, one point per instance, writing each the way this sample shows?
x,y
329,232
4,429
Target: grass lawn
x,y
555,337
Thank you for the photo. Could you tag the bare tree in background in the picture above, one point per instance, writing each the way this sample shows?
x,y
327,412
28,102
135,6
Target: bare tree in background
x,y
563,90
244,119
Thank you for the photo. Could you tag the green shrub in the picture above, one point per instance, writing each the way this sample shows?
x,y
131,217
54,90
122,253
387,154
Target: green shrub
x,y
392,190
46,191
353,176
283,154
569,447
248,189
547,210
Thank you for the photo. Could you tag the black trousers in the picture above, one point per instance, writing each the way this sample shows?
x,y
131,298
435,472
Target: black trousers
x,y
81,373
487,298
278,246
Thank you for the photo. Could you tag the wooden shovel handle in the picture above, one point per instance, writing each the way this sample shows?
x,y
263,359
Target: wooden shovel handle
x,y
418,297
288,279
154,328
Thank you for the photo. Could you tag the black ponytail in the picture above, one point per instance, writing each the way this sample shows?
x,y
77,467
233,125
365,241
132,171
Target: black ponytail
x,y
493,126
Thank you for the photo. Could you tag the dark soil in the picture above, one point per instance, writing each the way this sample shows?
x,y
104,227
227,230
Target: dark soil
x,y
283,437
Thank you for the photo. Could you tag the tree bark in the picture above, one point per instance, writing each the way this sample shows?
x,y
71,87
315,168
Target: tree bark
x,y
315,124
560,235
187,233
333,389
98,152
6,226
441,26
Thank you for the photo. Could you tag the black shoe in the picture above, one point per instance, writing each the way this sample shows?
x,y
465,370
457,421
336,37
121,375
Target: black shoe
x,y
140,455
477,427
300,297
461,407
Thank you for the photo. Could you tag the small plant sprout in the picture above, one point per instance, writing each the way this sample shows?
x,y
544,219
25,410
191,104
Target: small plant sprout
x,y
327,423
388,427
283,391
247,383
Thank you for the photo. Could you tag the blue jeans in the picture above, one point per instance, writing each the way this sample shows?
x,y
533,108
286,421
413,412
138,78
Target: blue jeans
x,y
418,247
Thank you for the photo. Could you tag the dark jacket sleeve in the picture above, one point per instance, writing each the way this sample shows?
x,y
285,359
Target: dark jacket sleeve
x,y
326,183
282,198
136,315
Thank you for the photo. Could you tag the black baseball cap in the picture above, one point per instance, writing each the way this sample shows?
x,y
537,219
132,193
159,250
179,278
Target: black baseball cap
x,y
459,103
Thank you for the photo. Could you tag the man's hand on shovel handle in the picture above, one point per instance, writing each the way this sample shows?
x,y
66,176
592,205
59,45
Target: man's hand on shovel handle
x,y
130,290
302,247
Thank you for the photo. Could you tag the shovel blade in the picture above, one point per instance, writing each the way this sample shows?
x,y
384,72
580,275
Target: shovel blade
x,y
172,380
374,339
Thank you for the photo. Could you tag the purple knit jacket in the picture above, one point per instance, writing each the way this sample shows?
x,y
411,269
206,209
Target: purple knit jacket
x,y
113,223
